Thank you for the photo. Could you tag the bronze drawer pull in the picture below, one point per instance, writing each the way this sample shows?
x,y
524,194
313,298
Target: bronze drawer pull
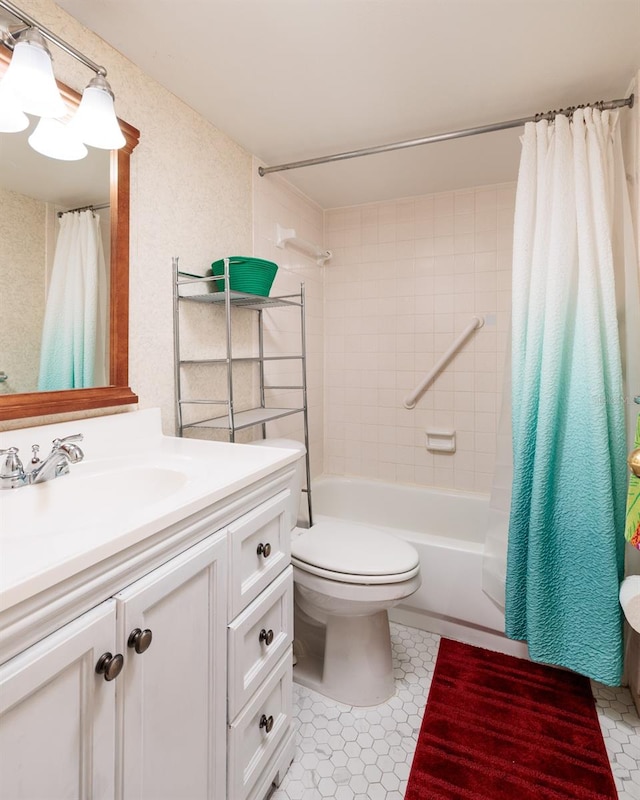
x,y
110,666
266,636
266,723
140,640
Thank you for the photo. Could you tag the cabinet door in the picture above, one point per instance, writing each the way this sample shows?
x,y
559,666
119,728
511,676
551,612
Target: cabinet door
x,y
57,716
171,703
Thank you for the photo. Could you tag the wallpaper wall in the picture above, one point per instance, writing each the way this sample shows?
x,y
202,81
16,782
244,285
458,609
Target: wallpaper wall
x,y
22,288
276,202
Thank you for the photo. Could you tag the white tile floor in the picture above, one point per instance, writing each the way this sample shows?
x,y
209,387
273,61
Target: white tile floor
x,y
351,753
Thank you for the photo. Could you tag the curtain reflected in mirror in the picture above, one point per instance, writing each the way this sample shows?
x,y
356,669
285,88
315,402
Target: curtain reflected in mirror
x,y
73,353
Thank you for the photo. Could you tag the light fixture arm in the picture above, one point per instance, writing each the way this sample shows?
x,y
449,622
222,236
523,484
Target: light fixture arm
x,y
32,23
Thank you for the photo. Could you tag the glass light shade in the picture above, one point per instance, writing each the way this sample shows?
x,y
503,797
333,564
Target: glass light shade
x,y
52,138
12,119
30,77
95,122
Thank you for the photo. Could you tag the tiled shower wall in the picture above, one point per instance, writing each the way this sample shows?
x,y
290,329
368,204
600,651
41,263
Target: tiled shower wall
x,y
405,279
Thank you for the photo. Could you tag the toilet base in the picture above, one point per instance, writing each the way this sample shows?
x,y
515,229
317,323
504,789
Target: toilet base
x,y
347,659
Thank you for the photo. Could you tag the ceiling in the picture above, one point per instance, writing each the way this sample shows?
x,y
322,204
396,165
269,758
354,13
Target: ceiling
x,y
295,79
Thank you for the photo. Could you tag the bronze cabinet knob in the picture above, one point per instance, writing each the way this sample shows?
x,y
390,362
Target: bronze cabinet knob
x,y
264,550
140,640
266,636
110,666
266,723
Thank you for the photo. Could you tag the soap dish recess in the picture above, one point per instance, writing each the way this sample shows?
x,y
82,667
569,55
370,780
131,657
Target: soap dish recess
x,y
440,441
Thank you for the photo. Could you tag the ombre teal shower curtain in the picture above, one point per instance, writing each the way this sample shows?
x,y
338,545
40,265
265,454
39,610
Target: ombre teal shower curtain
x,y
566,545
73,354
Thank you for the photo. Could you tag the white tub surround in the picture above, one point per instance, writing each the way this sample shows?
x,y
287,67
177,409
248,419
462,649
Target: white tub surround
x,y
160,566
447,530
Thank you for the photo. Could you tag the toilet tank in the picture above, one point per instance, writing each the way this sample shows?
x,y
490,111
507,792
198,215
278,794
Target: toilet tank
x,y
297,481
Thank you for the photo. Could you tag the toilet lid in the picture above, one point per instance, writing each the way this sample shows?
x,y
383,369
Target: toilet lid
x,y
350,548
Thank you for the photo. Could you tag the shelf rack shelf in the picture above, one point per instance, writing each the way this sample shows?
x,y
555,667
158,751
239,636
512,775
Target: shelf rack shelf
x,y
232,420
244,419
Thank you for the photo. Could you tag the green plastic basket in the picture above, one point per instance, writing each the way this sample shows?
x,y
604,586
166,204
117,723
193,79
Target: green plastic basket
x,y
246,274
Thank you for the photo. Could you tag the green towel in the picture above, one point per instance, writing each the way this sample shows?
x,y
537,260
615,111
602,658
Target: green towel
x,y
632,528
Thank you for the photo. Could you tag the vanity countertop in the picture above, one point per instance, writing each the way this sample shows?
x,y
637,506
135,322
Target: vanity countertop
x,y
132,483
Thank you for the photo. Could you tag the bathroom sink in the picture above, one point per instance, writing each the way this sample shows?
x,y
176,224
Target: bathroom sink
x,y
90,496
133,483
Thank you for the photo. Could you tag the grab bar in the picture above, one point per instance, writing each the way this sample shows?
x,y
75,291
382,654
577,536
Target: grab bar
x,y
411,399
288,236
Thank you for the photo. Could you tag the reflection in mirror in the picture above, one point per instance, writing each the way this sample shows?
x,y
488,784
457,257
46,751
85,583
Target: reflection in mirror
x,y
30,199
34,191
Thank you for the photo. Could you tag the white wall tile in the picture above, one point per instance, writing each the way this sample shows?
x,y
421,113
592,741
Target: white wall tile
x,y
439,260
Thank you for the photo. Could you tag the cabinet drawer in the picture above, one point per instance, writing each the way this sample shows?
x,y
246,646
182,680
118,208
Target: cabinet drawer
x,y
257,639
250,746
259,549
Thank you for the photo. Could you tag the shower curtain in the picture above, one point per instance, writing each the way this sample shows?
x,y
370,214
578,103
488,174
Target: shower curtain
x,y
566,545
494,554
74,336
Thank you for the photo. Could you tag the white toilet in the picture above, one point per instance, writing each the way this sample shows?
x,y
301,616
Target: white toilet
x,y
346,576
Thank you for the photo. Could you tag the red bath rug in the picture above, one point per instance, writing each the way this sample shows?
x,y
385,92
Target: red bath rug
x,y
502,728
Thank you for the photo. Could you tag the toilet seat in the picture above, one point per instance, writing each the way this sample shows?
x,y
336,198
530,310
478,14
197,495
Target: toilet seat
x,y
353,553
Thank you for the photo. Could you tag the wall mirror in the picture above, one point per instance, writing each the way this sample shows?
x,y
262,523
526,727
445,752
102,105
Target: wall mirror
x,y
45,186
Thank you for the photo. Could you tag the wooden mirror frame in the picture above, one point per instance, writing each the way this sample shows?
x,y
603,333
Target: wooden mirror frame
x,y
118,392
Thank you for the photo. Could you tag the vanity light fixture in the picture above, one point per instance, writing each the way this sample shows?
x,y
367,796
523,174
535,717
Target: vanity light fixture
x,y
29,87
95,121
30,77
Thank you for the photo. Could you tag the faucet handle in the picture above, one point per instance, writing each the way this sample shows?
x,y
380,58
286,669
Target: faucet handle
x,y
11,466
72,450
75,437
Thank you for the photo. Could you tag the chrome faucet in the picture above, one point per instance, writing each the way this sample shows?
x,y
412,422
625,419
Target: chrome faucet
x,y
63,452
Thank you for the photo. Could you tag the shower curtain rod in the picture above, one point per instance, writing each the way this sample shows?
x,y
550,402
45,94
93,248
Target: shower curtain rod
x,y
601,105
84,208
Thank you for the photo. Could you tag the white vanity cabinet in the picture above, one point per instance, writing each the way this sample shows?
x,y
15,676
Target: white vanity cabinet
x,y
155,730
163,727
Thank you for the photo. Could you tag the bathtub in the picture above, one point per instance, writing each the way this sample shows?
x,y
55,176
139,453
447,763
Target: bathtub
x,y
447,529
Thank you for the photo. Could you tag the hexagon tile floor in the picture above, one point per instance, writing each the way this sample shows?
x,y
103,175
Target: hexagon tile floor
x,y
351,753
